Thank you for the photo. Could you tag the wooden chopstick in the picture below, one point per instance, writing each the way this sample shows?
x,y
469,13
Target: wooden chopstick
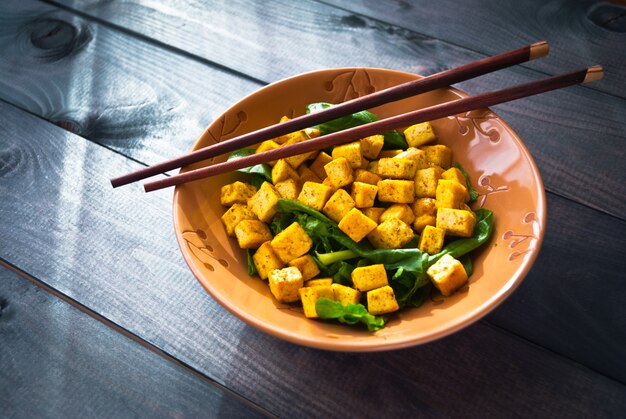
x,y
392,94
427,114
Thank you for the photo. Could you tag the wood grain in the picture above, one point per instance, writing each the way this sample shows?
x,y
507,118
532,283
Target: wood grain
x,y
56,361
64,212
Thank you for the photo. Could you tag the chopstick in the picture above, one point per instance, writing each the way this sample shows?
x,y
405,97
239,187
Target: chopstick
x,y
392,94
427,114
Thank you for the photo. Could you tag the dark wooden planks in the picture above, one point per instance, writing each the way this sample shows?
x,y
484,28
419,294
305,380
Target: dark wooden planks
x,y
269,43
56,361
64,212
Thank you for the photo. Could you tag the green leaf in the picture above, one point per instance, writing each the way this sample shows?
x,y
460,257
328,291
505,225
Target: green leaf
x,y
348,314
470,189
251,266
260,172
339,124
394,140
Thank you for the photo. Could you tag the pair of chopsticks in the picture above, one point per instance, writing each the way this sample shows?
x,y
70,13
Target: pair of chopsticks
x,y
392,94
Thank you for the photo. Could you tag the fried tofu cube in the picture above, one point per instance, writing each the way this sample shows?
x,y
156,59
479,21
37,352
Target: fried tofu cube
x,y
371,146
282,171
374,213
382,301
447,275
391,234
291,243
298,159
457,176
388,154
425,210
438,155
363,194
267,146
236,193
234,215
346,295
283,138
396,191
351,152
431,240
415,154
367,278
365,176
310,295
265,260
263,202
419,134
317,166
315,195
456,222
356,224
396,168
401,211
338,205
328,183
318,282
288,188
307,175
450,194
307,266
312,132
252,233
426,181
339,172
373,167
285,283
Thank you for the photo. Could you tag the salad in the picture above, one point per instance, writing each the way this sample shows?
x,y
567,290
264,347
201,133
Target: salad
x,y
361,231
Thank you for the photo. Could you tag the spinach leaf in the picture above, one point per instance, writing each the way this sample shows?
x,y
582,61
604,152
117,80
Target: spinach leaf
x,y
260,172
251,266
394,140
348,314
472,192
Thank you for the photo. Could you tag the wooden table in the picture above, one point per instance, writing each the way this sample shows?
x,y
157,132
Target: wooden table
x,y
99,316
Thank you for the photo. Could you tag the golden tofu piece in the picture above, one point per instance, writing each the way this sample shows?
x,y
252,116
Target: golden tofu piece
x,y
391,234
339,204
310,295
312,132
252,233
236,193
346,295
450,194
371,146
382,301
356,224
282,171
417,155
373,167
365,176
307,175
351,152
454,174
419,134
397,168
447,275
267,146
263,202
298,159
317,166
431,240
400,211
388,154
328,183
315,195
283,138
456,222
426,181
285,283
364,194
288,188
317,282
291,243
374,213
339,172
265,260
425,210
367,278
396,191
307,266
438,155
236,213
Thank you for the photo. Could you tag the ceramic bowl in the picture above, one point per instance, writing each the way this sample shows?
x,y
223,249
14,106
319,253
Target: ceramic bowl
x,y
500,166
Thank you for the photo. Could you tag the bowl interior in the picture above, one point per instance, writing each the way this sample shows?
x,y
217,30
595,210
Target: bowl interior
x,y
501,169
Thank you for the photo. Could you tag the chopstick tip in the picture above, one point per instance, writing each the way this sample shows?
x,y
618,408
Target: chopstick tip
x,y
594,73
538,50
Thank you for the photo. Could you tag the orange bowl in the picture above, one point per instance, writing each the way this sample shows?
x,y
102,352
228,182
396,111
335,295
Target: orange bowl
x,y
501,169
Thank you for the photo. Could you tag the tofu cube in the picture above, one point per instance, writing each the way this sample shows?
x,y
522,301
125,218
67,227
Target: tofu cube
x,y
391,234
367,278
285,283
282,171
339,172
438,155
356,224
315,195
310,295
373,167
425,210
234,215
365,176
400,211
252,233
431,240
447,275
307,175
388,154
307,266
263,202
371,146
265,260
415,154
298,159
236,193
317,166
351,152
374,213
382,301
346,295
419,134
283,138
339,204
318,282
450,194
396,168
291,243
396,191
426,181
288,189
267,146
363,194
456,222
454,174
